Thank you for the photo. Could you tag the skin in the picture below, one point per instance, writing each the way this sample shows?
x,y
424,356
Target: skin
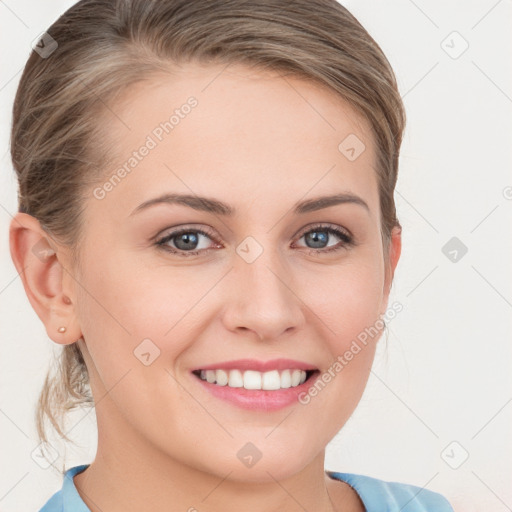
x,y
259,142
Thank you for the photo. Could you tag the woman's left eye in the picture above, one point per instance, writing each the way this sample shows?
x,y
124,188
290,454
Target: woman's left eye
x,y
319,235
187,242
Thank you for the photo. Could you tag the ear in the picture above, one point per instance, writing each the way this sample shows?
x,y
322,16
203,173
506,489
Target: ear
x,y
40,261
394,250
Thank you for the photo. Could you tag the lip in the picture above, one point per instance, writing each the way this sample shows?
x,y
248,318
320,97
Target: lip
x,y
258,399
259,366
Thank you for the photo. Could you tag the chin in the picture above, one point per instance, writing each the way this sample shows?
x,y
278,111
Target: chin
x,y
261,462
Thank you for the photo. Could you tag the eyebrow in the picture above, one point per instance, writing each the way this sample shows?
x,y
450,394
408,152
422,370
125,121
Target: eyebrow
x,y
210,205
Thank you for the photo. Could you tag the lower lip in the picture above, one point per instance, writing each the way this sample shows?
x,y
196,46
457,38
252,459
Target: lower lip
x,y
256,399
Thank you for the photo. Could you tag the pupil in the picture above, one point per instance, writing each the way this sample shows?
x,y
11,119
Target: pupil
x,y
318,238
189,240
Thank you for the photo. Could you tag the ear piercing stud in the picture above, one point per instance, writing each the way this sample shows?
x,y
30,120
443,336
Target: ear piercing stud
x,y
61,329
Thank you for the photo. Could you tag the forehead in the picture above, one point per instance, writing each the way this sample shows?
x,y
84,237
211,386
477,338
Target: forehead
x,y
235,133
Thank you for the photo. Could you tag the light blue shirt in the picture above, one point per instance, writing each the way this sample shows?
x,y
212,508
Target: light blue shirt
x,y
376,495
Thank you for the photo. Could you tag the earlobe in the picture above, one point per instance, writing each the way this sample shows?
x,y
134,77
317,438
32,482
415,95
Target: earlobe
x,y
39,260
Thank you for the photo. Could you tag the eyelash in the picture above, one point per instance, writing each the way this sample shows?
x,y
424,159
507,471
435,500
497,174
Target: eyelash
x,y
346,238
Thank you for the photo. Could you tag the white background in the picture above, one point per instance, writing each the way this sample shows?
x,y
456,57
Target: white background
x,y
444,374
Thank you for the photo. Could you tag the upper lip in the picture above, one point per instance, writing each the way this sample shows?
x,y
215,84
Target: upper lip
x,y
259,366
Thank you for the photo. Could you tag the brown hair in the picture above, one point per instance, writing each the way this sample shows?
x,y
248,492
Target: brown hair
x,y
104,46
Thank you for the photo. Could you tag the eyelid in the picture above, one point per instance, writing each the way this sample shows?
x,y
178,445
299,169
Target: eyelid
x,y
323,225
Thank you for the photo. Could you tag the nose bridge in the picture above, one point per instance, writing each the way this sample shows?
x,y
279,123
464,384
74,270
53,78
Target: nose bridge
x,y
263,300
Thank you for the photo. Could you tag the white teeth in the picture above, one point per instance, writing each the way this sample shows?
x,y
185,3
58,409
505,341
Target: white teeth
x,y
251,379
286,379
222,378
295,378
272,380
235,379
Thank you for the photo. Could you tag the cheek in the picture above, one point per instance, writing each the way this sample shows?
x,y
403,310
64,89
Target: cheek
x,y
128,300
349,305
348,299
133,314
125,315
116,315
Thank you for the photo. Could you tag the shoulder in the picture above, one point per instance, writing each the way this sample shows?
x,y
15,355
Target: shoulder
x,y
382,496
67,498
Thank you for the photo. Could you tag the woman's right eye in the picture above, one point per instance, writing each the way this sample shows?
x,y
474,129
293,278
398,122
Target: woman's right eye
x,y
185,242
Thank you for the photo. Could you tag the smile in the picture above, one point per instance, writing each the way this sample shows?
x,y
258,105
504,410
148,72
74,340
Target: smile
x,y
257,385
251,379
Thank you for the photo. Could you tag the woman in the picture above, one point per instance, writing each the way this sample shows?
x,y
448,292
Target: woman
x,y
207,227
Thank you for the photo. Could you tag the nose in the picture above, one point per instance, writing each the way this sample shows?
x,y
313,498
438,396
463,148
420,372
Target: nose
x,y
262,298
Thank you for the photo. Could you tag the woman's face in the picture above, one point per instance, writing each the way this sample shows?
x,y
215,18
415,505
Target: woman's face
x,y
267,282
